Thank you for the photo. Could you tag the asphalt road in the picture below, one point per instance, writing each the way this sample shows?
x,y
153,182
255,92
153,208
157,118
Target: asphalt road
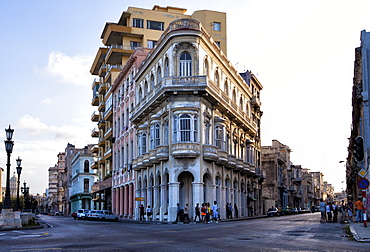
x,y
301,232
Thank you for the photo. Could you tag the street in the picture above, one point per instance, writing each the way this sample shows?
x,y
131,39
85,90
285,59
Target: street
x,y
301,232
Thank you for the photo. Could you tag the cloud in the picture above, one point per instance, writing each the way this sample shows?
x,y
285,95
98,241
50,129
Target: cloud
x,y
47,101
69,69
32,126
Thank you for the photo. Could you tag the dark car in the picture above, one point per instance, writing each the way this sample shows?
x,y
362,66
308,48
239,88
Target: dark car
x,y
285,210
273,211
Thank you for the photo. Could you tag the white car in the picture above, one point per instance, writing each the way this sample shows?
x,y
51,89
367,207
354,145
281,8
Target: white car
x,y
80,214
102,215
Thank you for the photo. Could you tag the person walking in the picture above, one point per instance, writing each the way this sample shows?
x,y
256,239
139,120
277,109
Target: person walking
x,y
236,211
197,213
203,212
186,213
328,212
142,212
149,213
322,206
359,210
215,211
335,212
178,213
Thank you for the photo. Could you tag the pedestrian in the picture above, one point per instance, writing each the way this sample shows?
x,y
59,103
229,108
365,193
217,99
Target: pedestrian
x,y
197,213
349,208
359,210
236,211
335,212
142,212
328,212
149,213
227,210
186,213
322,206
203,212
208,213
178,213
215,211
230,210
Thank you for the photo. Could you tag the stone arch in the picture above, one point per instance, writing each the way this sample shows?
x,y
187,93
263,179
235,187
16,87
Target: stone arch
x,y
185,179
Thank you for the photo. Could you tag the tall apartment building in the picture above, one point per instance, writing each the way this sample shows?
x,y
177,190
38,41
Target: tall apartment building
x,y
52,197
136,28
61,198
198,125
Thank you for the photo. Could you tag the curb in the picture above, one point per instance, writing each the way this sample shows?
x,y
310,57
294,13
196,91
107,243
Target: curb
x,y
356,235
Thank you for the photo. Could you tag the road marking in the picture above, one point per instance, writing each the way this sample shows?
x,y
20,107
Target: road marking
x,y
44,249
137,243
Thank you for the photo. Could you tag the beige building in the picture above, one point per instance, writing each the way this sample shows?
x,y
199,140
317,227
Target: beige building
x,y
135,28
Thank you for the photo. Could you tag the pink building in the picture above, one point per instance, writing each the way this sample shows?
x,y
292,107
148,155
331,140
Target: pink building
x,y
124,137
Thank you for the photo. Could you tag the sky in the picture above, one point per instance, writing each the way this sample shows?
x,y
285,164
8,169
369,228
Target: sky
x,y
301,51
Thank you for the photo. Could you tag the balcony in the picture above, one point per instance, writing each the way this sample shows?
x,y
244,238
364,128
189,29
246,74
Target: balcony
x,y
222,157
101,142
116,52
162,152
113,33
102,88
95,100
138,163
153,157
102,185
98,61
146,160
108,134
239,164
255,102
108,114
102,71
185,150
101,124
210,152
94,132
95,117
95,149
101,107
94,166
231,161
108,153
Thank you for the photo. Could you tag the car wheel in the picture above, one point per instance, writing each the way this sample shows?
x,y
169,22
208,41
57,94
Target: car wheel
x,y
116,219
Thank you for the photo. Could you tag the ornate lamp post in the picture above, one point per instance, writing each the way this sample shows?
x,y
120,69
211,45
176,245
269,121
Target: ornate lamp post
x,y
9,149
25,191
19,171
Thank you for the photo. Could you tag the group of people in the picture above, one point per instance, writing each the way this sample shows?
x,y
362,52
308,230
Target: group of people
x,y
229,211
203,214
329,211
148,211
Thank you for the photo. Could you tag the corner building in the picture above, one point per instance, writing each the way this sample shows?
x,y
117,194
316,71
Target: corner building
x,y
198,126
135,28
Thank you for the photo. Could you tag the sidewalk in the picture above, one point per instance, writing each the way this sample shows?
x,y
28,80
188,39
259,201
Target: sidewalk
x,y
359,232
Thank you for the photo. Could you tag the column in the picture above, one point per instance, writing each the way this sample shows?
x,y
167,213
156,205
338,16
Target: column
x,y
122,200
126,206
173,200
114,201
131,200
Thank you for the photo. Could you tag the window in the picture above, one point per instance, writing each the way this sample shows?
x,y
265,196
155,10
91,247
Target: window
x,y
185,128
152,82
219,136
166,68
140,95
226,88
151,43
143,143
86,166
146,89
217,79
216,26
206,67
157,135
152,144
134,45
234,96
139,23
154,25
218,43
206,132
86,185
185,64
159,75
165,133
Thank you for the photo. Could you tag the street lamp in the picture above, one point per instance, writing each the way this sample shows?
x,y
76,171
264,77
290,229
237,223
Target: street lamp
x,y
9,148
26,190
19,171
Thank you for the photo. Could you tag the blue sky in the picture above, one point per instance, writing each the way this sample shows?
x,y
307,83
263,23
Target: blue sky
x,y
301,51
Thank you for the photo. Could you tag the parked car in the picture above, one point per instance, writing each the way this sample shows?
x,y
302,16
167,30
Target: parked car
x,y
108,215
299,210
80,214
273,211
306,210
285,210
294,210
93,214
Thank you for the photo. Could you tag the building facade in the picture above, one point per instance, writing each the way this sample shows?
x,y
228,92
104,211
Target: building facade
x,y
198,126
83,177
136,27
52,196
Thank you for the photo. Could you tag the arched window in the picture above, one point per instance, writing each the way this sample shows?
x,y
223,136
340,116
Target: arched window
x,y
146,88
140,95
234,96
159,75
217,79
185,64
166,68
165,133
86,166
157,135
143,143
206,67
152,83
241,103
152,144
185,128
226,88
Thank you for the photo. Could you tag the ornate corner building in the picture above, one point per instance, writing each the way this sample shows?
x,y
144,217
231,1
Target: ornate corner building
x,y
179,125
